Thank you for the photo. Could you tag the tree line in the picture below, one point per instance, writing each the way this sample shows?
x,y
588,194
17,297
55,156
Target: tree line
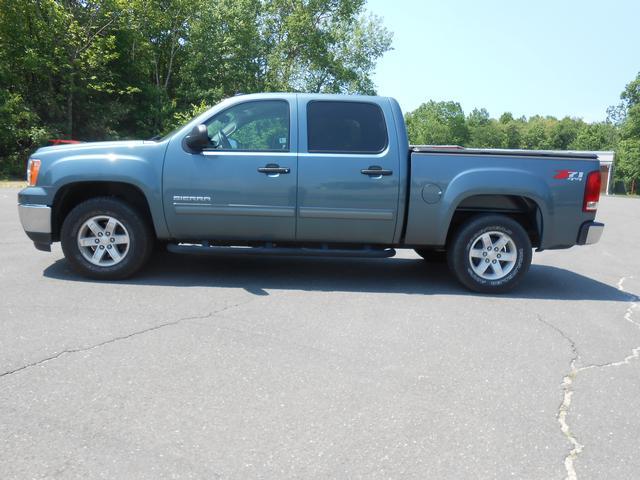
x,y
113,69
445,123
117,69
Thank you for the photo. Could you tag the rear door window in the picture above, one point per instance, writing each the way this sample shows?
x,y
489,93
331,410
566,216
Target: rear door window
x,y
345,127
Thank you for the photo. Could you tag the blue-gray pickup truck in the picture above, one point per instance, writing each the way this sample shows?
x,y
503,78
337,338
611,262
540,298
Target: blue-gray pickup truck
x,y
299,174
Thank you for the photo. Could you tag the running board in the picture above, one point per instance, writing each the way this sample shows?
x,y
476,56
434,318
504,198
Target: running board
x,y
284,251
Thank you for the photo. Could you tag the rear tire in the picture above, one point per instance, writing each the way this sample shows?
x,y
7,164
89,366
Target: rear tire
x,y
106,239
490,254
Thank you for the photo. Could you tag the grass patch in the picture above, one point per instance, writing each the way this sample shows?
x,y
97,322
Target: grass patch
x,y
12,184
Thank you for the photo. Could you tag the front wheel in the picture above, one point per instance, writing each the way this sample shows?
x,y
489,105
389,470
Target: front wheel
x,y
106,239
490,254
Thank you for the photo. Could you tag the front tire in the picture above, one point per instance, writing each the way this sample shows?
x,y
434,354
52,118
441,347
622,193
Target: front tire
x,y
106,239
490,254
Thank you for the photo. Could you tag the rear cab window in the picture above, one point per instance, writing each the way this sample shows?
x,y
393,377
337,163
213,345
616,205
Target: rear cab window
x,y
345,127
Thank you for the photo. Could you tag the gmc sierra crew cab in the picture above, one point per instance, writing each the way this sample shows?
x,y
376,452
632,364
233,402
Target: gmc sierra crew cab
x,y
308,174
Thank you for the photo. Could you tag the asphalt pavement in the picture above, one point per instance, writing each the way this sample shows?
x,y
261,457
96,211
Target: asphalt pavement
x,y
277,368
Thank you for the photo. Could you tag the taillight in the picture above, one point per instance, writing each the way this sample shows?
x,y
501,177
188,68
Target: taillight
x,y
592,192
33,169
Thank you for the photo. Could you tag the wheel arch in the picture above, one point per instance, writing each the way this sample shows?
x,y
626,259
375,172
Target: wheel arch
x,y
521,208
517,193
72,194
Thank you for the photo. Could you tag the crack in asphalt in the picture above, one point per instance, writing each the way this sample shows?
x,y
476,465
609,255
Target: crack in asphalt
x,y
574,370
567,395
628,316
120,338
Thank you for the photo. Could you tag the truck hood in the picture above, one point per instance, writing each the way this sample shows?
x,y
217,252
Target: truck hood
x,y
104,147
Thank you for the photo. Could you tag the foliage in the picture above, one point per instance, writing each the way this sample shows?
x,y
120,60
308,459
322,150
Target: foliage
x,y
444,123
110,69
628,116
629,161
18,131
184,116
438,123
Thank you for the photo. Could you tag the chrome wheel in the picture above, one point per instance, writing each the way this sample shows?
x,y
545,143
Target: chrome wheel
x,y
493,255
103,240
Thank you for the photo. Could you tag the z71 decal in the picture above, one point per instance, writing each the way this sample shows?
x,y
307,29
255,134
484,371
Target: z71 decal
x,y
570,175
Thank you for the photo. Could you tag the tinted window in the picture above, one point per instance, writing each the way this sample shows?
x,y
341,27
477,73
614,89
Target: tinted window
x,y
256,126
345,127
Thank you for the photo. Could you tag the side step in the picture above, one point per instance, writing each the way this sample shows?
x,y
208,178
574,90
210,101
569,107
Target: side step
x,y
205,249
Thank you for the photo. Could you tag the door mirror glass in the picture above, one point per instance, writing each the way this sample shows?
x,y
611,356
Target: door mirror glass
x,y
198,139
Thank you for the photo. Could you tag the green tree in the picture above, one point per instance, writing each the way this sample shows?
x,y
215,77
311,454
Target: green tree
x,y
629,146
629,161
596,136
484,132
320,45
223,55
437,123
563,133
19,132
536,133
109,69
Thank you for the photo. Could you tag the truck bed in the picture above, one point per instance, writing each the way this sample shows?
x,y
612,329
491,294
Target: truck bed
x,y
446,178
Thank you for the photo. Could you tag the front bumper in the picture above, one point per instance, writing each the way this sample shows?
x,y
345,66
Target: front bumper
x,y
590,233
36,222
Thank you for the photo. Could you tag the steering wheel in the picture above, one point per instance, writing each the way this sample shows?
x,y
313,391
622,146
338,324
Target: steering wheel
x,y
224,141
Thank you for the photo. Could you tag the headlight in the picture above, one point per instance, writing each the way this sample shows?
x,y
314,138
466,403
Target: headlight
x,y
33,169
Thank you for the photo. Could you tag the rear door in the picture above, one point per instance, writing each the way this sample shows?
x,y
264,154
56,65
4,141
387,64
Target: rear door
x,y
348,171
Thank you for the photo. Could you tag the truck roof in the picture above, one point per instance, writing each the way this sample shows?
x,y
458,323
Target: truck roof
x,y
324,96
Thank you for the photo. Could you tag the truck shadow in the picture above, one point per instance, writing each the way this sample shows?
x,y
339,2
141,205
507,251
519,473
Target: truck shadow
x,y
257,275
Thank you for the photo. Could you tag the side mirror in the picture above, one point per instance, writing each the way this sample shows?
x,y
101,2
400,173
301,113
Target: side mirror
x,y
198,139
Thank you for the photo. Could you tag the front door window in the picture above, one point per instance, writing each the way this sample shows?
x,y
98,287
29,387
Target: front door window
x,y
260,126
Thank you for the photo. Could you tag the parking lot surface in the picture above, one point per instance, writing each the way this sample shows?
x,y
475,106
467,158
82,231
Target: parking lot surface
x,y
312,368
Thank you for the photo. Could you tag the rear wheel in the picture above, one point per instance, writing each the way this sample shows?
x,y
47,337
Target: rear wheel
x,y
106,239
490,254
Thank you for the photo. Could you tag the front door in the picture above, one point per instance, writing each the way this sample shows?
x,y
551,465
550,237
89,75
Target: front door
x,y
348,172
242,187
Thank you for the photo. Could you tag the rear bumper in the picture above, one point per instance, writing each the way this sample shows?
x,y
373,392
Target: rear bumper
x,y
36,222
590,233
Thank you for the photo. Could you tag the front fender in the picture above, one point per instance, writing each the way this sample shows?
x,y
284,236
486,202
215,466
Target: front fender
x,y
140,166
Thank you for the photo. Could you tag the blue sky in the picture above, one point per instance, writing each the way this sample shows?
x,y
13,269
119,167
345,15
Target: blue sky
x,y
562,57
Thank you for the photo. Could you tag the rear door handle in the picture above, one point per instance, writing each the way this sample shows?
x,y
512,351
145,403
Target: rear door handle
x,y
376,171
273,169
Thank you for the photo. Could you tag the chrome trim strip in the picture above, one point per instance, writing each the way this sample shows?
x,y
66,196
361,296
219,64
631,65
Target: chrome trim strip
x,y
346,213
242,210
248,153
35,218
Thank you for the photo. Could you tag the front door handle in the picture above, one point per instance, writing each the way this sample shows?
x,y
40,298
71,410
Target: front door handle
x,y
273,169
376,171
